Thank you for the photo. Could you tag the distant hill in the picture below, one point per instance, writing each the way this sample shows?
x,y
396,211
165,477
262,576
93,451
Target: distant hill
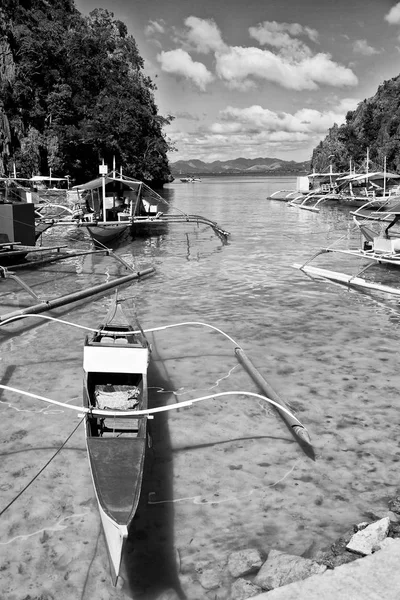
x,y
239,166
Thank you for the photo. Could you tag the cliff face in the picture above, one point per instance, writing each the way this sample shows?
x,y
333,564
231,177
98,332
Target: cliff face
x,y
374,125
7,74
73,91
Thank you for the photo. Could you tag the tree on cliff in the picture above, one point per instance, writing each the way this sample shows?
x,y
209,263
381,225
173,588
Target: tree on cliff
x,y
373,126
73,91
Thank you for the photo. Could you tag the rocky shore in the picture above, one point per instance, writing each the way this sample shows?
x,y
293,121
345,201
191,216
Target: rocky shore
x,y
248,573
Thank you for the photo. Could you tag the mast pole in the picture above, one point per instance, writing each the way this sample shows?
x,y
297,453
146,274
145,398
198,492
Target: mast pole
x,y
384,177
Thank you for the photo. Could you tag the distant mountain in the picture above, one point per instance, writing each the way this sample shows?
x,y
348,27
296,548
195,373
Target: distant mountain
x,y
238,166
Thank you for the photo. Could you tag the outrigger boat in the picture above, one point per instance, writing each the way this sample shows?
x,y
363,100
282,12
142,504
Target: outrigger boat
x,y
366,190
113,204
377,246
115,410
115,361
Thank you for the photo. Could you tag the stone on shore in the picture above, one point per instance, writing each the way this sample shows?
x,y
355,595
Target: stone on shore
x,y
243,589
244,562
281,568
210,579
394,505
367,540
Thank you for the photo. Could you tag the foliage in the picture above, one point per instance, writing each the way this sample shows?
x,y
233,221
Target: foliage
x,y
374,127
73,92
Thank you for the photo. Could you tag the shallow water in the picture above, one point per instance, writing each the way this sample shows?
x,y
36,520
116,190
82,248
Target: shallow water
x,y
225,474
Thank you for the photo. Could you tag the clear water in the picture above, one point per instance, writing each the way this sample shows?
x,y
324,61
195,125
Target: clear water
x,y
225,474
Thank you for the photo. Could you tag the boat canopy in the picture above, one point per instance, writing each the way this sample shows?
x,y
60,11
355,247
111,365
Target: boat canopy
x,y
115,359
312,175
47,178
97,183
370,176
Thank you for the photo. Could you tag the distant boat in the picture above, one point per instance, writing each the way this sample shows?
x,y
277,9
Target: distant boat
x,y
190,179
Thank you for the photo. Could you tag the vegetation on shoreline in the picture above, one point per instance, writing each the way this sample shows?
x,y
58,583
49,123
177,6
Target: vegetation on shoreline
x,y
73,91
373,126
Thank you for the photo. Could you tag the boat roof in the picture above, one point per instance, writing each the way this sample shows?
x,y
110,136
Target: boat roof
x,y
97,183
10,178
47,178
372,175
324,174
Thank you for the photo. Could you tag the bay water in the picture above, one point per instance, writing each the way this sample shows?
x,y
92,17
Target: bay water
x,y
226,474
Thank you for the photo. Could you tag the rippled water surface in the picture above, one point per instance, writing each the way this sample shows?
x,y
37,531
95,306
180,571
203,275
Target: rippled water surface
x,y
225,474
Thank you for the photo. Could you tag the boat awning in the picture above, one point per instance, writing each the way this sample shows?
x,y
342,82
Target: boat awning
x,y
47,178
370,176
97,183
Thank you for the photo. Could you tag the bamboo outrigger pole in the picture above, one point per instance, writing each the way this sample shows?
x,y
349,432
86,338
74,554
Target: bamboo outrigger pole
x,y
264,386
49,304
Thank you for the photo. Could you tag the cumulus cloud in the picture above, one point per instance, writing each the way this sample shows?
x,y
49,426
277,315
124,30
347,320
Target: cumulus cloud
x,y
289,63
254,120
256,131
362,47
393,16
238,64
284,36
154,27
178,62
204,35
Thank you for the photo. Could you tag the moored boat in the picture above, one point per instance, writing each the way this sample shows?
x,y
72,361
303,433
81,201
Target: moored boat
x,y
115,362
111,204
378,246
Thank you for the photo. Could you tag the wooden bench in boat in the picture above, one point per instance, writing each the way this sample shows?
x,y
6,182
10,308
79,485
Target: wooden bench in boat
x,y
126,425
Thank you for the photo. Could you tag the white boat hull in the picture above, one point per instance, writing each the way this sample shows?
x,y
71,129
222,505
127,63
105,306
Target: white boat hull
x,y
116,536
350,280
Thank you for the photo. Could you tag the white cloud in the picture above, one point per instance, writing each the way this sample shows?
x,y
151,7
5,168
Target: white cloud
x,y
256,120
393,16
238,66
256,131
284,36
362,47
290,64
204,35
178,62
154,27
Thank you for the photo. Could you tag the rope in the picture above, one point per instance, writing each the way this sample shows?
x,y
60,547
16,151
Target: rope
x,y
149,411
150,330
41,470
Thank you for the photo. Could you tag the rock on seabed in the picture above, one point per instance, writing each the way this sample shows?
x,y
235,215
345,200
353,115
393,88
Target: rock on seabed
x,y
367,540
244,562
280,569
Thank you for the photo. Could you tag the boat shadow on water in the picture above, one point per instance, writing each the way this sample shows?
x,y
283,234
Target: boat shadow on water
x,y
150,564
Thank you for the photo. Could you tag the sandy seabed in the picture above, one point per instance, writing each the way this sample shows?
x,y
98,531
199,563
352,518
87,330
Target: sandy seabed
x,y
223,475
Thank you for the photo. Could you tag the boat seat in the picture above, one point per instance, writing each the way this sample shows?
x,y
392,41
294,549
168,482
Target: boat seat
x,y
127,425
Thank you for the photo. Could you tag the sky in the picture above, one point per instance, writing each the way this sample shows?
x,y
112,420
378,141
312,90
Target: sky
x,y
259,78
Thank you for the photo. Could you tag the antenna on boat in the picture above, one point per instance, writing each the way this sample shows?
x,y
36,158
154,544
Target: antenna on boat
x,y
103,172
384,177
